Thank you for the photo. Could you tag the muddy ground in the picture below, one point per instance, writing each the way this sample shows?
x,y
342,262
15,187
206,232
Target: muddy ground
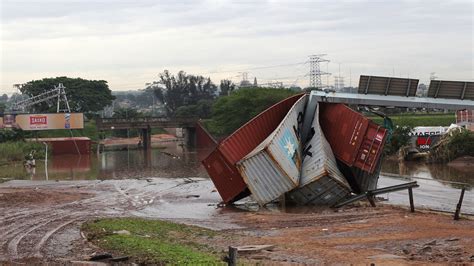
x,y
40,222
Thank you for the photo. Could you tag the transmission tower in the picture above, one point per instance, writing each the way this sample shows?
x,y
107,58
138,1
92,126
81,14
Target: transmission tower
x,y
315,72
338,82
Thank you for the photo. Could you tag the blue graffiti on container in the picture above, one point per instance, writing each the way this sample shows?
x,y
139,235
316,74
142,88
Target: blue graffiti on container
x,y
289,145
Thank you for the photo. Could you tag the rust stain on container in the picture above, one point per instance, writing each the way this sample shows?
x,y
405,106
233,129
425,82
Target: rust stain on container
x,y
220,164
354,139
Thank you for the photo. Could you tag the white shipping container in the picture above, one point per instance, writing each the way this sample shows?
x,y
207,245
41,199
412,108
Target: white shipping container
x,y
321,182
273,167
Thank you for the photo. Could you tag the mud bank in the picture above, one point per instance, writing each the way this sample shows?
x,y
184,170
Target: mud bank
x,y
40,222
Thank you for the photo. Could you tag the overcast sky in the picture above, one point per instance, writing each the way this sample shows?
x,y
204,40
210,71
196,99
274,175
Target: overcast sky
x,y
128,43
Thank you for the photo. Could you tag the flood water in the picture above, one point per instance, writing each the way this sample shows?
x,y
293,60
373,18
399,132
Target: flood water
x,y
439,184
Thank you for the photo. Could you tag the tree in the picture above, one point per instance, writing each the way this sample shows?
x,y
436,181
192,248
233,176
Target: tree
x,y
83,95
231,112
227,87
182,90
4,98
202,109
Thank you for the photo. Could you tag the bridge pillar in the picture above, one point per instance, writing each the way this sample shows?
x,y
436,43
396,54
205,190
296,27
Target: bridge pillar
x,y
190,137
146,138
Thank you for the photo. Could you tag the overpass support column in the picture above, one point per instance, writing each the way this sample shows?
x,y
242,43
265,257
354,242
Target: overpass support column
x,y
146,138
190,137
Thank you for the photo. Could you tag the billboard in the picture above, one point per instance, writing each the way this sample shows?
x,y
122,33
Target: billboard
x,y
43,121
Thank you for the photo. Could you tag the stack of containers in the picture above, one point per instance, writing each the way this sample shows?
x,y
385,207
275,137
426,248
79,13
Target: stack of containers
x,y
356,142
273,167
220,164
321,182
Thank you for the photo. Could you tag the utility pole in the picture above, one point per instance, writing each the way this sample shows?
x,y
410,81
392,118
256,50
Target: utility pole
x,y
315,72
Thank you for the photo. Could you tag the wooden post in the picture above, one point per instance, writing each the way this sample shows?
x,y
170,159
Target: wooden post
x,y
232,256
410,195
458,207
371,199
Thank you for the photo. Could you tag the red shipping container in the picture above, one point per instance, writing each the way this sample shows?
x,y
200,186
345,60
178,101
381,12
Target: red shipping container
x,y
67,145
220,164
205,143
354,139
464,116
371,147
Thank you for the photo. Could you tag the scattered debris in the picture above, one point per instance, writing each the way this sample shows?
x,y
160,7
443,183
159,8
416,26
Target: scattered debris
x,y
100,256
122,232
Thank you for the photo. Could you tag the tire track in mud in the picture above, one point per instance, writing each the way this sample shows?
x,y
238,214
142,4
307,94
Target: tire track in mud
x,y
12,245
48,235
46,218
27,232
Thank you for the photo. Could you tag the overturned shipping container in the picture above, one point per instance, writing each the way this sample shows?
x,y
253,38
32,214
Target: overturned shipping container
x,y
321,182
273,167
354,139
220,164
356,142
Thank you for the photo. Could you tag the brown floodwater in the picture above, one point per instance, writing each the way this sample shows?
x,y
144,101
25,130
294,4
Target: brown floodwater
x,y
439,184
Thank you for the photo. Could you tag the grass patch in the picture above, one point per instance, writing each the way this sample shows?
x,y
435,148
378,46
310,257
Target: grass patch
x,y
17,150
418,120
153,241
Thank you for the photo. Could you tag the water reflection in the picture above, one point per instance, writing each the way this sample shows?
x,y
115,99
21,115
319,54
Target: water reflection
x,y
172,161
433,171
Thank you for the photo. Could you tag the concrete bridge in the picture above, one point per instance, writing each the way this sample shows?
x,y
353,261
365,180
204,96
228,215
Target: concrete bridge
x,y
145,124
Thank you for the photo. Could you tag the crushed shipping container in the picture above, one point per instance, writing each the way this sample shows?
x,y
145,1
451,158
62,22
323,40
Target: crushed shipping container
x,y
321,182
220,164
273,167
354,139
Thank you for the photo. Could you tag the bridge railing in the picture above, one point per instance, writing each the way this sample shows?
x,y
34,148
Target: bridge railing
x,y
140,121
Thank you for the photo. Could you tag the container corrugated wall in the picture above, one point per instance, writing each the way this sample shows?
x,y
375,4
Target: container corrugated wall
x,y
232,149
371,148
354,139
321,182
225,177
272,168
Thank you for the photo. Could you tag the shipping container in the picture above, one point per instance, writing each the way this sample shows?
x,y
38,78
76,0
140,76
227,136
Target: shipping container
x,y
360,180
321,182
354,139
232,149
273,167
371,148
464,117
205,142
225,177
73,145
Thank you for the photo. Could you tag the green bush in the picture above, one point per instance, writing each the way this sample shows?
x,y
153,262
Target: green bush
x,y
453,145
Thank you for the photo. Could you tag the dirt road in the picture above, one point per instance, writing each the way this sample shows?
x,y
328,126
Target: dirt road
x,y
40,221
